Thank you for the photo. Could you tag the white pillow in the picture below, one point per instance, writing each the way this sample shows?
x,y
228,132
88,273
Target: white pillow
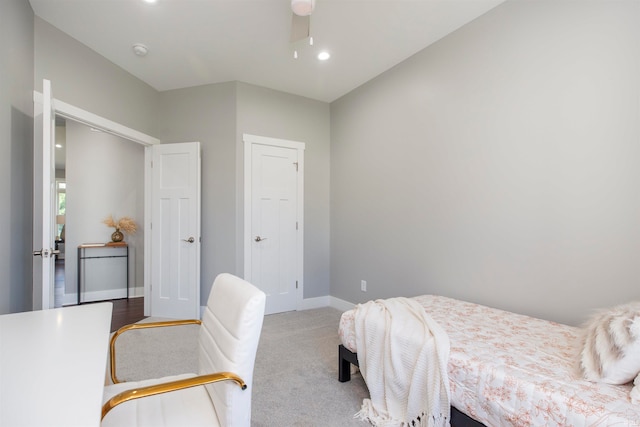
x,y
611,347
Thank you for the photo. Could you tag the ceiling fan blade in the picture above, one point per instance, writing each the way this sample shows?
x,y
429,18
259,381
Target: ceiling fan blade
x,y
300,26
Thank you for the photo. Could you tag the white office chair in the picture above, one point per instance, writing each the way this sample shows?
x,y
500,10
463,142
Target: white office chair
x,y
221,394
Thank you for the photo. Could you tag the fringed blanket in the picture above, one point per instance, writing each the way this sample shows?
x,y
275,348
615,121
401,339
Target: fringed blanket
x,y
403,356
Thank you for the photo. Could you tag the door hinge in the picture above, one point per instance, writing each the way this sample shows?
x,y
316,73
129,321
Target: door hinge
x,y
296,163
296,225
296,284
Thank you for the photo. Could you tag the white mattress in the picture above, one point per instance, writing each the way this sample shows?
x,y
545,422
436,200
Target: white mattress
x,y
507,369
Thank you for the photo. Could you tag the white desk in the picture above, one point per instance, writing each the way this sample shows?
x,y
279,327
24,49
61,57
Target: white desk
x,y
52,366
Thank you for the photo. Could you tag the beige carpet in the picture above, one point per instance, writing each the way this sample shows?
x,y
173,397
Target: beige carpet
x,y
296,373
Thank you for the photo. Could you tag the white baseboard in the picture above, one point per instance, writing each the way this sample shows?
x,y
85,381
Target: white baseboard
x,y
136,292
327,301
311,303
72,299
340,304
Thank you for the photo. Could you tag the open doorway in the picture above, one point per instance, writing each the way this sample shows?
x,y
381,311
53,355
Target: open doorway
x,y
98,174
181,228
60,232
46,108
60,159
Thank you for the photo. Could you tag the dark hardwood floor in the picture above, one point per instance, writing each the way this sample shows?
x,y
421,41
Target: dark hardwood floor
x,y
126,311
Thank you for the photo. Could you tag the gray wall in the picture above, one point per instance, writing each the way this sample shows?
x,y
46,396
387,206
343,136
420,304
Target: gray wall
x,y
89,81
499,165
111,168
16,152
274,114
217,116
208,114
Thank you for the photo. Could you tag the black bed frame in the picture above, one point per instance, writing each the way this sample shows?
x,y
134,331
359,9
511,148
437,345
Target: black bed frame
x,y
346,358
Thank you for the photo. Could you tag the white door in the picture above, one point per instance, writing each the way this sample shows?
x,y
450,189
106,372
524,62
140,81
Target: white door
x,y
274,219
43,190
175,230
44,182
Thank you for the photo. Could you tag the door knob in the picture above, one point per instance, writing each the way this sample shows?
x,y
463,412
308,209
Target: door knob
x,y
189,240
260,239
45,253
42,252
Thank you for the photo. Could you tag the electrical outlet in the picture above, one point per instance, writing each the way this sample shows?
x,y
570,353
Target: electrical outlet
x,y
363,285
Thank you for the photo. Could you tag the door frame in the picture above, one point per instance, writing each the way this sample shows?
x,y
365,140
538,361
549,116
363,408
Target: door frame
x,y
249,141
77,114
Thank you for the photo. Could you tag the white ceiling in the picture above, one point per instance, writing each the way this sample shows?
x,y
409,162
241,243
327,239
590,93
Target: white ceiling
x,y
197,42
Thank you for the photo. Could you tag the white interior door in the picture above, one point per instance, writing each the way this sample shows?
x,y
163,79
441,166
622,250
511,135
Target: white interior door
x,y
273,230
43,183
175,230
43,178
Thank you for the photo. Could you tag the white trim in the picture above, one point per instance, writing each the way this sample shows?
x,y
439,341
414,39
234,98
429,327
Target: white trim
x,y
340,304
69,111
311,303
317,302
93,296
276,142
136,292
72,299
146,262
48,174
248,141
85,117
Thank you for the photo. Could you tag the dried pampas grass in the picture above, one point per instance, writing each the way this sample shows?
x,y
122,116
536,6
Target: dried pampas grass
x,y
126,224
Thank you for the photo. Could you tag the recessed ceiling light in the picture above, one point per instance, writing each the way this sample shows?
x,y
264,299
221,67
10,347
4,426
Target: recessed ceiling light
x,y
58,145
150,1
323,56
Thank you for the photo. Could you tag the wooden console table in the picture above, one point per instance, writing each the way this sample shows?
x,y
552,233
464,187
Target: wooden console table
x,y
82,255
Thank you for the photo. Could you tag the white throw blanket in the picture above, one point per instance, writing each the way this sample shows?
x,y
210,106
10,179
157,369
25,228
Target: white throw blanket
x,y
403,356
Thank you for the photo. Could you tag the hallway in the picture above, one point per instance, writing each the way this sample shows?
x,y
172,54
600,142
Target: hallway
x,y
125,311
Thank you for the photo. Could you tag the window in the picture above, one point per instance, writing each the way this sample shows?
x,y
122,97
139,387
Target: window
x,y
61,205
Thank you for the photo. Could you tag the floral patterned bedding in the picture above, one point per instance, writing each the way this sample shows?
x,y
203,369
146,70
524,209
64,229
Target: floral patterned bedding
x,y
507,369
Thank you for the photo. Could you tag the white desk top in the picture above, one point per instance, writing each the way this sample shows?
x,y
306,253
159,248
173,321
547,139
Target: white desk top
x,y
52,366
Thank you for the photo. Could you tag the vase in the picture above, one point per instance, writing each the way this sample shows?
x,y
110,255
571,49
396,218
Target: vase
x,y
117,236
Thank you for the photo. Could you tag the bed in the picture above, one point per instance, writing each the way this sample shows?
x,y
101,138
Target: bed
x,y
507,369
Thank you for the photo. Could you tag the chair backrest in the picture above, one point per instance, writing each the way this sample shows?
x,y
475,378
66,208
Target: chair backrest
x,y
231,326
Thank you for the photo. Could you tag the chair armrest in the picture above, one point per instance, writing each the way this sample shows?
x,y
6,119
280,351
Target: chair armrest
x,y
112,342
153,390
